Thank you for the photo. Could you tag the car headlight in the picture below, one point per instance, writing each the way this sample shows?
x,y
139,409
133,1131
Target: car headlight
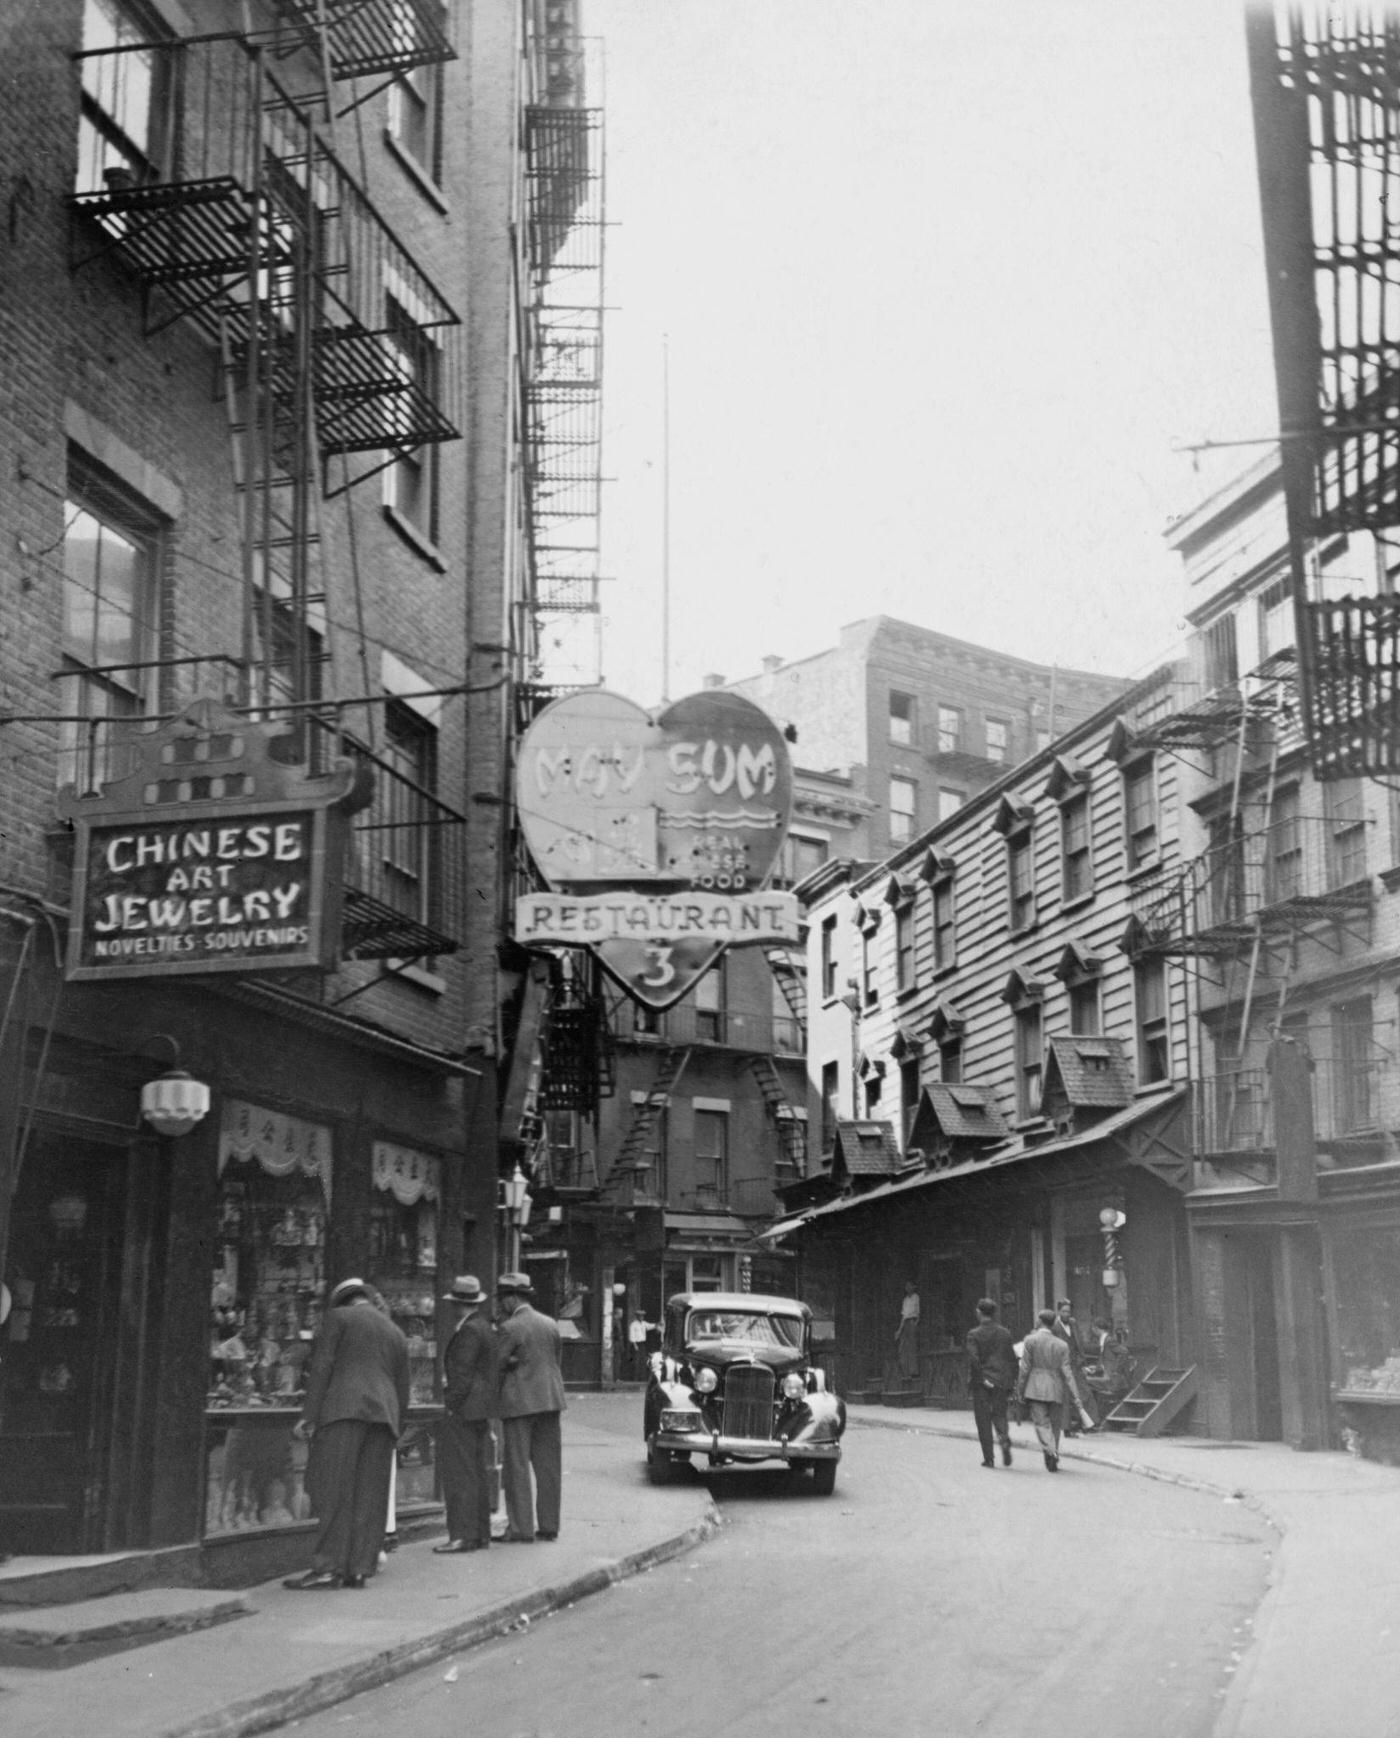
x,y
681,1420
794,1386
706,1381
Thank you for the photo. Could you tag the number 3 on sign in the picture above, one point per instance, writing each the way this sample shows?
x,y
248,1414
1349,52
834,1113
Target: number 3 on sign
x,y
662,971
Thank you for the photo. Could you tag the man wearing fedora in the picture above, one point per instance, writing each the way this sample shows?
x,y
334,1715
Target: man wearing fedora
x,y
356,1401
469,1401
531,1399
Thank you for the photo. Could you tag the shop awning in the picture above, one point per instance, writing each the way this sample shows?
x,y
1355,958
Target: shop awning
x,y
1143,1134
700,1231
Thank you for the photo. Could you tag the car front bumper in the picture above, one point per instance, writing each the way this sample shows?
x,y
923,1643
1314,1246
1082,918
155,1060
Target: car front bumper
x,y
720,1447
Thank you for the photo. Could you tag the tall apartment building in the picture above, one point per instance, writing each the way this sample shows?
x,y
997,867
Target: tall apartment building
x,y
922,721
272,389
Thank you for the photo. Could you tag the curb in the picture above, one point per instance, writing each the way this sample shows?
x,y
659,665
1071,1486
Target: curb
x,y
264,1713
1184,1481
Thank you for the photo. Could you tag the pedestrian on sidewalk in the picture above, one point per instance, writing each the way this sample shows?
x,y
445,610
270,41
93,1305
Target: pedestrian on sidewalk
x,y
1079,1416
356,1401
906,1338
992,1359
1046,1383
469,1400
531,1400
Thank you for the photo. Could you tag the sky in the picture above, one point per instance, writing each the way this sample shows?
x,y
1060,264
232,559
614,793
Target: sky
x,y
939,288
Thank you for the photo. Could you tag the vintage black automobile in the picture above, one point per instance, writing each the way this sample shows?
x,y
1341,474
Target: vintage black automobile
x,y
735,1381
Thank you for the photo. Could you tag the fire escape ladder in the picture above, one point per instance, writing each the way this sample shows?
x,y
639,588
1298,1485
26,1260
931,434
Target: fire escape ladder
x,y
632,1155
792,1130
331,343
562,366
790,971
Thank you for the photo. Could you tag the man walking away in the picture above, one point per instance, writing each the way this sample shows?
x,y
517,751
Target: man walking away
x,y
356,1401
1046,1382
469,1400
992,1360
531,1400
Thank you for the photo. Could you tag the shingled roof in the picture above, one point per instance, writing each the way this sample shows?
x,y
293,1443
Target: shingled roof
x,y
1087,1073
865,1149
957,1112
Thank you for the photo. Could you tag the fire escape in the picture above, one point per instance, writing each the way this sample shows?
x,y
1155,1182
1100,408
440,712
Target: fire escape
x,y
565,231
1326,97
337,357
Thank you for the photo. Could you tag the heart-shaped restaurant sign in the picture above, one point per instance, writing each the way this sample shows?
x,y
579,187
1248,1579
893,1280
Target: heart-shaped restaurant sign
x,y
656,833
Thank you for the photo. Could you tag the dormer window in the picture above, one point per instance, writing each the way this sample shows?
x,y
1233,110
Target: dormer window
x,y
1024,996
1015,821
939,871
1080,970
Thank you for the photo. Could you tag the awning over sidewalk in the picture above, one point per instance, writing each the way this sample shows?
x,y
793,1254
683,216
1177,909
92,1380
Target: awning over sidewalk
x,y
1145,1133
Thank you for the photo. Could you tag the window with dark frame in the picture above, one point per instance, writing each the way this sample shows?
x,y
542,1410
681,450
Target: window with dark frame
x,y
831,1090
1140,812
1346,831
415,117
1153,1044
950,1048
904,797
123,98
869,965
1085,1008
998,740
1076,861
1283,868
1353,1066
828,959
904,946
409,747
901,718
1221,654
910,1087
1030,1059
711,1150
944,896
874,1089
709,1003
950,730
411,482
111,547
1020,877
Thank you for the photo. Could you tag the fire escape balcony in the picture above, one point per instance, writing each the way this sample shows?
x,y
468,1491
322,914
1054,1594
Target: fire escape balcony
x,y
1302,876
245,218
758,1034
365,37
405,871
1356,1108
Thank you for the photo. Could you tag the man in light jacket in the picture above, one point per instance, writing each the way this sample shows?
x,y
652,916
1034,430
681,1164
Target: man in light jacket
x,y
531,1399
356,1401
1046,1382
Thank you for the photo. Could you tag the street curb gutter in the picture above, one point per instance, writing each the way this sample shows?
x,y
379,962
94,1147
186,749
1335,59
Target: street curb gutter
x,y
1236,1495
277,1707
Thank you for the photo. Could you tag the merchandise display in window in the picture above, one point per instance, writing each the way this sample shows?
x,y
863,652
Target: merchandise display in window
x,y
403,1254
1368,1312
265,1307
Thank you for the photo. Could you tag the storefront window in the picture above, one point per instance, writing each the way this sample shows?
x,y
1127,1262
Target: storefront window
x,y
403,1253
265,1306
1368,1310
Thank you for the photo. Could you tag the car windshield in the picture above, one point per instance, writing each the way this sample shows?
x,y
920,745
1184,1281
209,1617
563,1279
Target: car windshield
x,y
755,1330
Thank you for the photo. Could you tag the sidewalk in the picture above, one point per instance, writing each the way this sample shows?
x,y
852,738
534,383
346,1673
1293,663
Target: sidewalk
x,y
1325,1659
299,1652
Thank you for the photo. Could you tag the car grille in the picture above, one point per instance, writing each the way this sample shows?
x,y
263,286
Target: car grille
x,y
748,1402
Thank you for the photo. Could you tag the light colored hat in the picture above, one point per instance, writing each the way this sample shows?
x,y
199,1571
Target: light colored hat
x,y
466,1289
347,1289
515,1282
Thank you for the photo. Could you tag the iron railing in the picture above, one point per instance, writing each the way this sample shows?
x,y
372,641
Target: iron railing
x,y
1285,876
231,208
405,869
1234,1111
763,1034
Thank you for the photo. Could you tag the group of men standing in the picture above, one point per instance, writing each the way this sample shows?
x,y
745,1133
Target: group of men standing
x,y
1044,1377
356,1406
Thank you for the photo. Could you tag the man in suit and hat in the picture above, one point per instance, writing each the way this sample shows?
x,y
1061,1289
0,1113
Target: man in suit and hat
x,y
531,1399
1046,1381
991,1360
356,1400
469,1401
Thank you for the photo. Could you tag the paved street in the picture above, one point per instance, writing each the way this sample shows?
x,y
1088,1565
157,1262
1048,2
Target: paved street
x,y
928,1596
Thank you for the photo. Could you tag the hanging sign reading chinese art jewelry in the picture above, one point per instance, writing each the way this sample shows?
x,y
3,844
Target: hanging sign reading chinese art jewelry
x,y
656,834
208,856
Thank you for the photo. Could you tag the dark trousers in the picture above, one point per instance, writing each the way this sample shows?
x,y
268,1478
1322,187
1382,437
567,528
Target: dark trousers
x,y
353,1464
464,1450
989,1409
532,1443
